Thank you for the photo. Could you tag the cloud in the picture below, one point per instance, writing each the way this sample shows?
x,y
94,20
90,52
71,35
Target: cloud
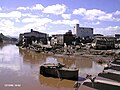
x,y
96,23
29,20
55,9
17,20
13,14
95,14
6,23
44,21
39,24
106,17
111,29
35,7
7,27
66,22
29,15
117,12
92,23
23,8
66,16
35,26
41,21
80,11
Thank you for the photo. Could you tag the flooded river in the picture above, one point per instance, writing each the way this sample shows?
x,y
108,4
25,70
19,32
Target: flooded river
x,y
19,69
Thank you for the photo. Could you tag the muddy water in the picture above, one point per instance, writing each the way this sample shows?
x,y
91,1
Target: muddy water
x,y
19,69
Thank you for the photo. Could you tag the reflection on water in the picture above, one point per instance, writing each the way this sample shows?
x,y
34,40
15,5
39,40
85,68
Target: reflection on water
x,y
55,82
21,66
51,60
8,58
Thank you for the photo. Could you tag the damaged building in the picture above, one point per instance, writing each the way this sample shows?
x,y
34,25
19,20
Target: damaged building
x,y
33,36
60,39
104,42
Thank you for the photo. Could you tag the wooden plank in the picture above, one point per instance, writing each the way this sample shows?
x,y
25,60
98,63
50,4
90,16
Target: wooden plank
x,y
108,82
112,71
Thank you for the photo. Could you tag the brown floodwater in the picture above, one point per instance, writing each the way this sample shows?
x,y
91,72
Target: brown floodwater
x,y
19,69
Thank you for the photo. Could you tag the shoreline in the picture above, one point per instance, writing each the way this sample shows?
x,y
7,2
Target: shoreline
x,y
90,54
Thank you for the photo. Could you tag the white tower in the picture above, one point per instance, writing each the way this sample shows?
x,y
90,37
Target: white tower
x,y
76,28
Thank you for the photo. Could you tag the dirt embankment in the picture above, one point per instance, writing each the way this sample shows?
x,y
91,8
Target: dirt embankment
x,y
99,55
92,54
83,51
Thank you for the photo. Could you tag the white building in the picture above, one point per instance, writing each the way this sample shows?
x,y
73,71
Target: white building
x,y
57,39
83,32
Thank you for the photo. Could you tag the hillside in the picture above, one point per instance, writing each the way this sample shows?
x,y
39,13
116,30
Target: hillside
x,y
5,38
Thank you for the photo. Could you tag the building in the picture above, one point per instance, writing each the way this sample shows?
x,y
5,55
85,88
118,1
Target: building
x,y
117,44
104,42
117,36
57,39
69,38
60,39
83,32
33,36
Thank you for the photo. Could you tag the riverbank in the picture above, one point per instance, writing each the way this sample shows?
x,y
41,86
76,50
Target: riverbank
x,y
102,56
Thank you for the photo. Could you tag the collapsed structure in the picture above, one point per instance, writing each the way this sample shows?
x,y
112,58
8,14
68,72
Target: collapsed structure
x,y
104,42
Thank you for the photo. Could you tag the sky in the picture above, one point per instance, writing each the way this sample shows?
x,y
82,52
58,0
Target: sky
x,y
59,16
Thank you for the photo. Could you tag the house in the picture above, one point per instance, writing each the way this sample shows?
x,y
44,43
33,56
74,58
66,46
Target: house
x,y
33,36
57,39
60,39
104,42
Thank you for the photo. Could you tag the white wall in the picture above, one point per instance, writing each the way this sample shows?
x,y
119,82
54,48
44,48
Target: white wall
x,y
83,31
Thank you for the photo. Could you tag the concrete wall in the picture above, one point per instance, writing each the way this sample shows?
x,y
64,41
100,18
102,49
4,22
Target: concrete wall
x,y
85,32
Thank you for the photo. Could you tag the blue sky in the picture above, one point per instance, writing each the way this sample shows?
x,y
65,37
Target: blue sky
x,y
59,16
